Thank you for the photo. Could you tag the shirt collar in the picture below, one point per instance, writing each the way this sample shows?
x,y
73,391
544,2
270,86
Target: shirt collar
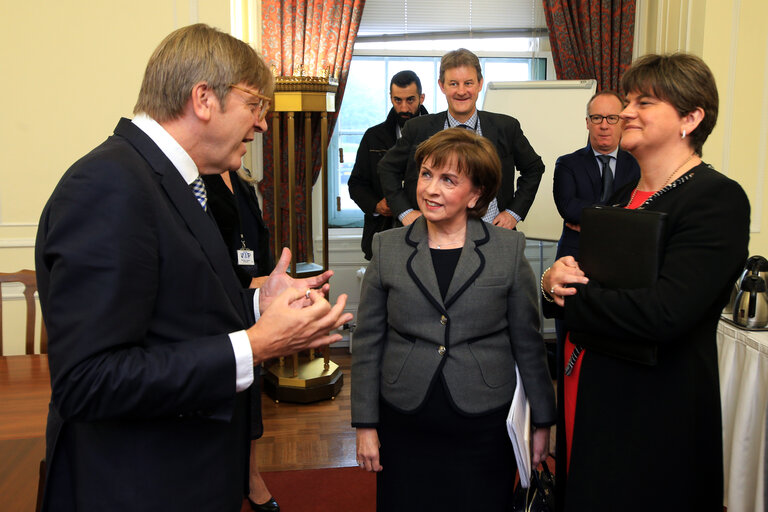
x,y
168,145
473,122
613,153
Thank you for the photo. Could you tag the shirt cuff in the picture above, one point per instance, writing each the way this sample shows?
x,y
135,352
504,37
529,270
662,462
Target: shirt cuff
x,y
519,218
243,360
402,215
256,312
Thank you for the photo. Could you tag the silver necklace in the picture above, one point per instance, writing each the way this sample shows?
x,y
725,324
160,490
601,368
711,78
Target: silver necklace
x,y
440,246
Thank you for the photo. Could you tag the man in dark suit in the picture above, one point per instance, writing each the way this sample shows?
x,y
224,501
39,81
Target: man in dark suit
x,y
364,186
152,338
580,178
461,80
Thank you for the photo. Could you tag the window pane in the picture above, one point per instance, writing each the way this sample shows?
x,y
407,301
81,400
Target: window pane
x,y
506,71
365,95
349,144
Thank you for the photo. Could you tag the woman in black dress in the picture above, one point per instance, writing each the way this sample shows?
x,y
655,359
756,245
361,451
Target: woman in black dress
x,y
448,308
233,203
649,436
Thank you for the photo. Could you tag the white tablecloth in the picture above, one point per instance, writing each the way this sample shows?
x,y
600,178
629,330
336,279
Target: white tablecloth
x,y
743,361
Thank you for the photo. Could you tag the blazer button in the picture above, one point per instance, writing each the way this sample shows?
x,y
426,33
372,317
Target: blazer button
x,y
441,350
443,319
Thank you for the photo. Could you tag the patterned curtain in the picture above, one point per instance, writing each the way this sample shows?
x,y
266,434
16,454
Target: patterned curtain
x,y
309,37
591,39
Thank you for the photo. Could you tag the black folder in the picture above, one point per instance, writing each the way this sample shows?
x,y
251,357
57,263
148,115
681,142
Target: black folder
x,y
623,249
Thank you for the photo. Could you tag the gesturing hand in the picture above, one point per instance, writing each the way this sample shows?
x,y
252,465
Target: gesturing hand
x,y
283,330
278,281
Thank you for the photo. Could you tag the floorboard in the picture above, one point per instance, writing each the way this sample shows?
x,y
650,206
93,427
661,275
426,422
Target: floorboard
x,y
309,436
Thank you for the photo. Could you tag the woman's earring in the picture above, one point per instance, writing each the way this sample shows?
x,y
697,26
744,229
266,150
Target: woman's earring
x,y
683,134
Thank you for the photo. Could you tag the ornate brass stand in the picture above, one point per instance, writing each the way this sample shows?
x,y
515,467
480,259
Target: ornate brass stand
x,y
307,379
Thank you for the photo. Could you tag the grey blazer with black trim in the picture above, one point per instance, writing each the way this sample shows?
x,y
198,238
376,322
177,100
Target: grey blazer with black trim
x,y
407,336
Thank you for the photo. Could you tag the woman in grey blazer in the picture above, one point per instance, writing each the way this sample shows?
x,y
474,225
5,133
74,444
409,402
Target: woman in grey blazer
x,y
449,305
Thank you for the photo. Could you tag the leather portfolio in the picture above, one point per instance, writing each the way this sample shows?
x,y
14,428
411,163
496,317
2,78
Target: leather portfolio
x,y
622,249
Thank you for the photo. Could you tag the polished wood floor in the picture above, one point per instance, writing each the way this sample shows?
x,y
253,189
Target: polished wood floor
x,y
308,436
296,436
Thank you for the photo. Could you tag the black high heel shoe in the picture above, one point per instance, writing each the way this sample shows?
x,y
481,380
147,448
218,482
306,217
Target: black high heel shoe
x,y
270,506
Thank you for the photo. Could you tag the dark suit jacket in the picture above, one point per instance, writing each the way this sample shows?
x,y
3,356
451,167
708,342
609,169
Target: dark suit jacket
x,y
407,336
399,166
138,296
578,184
364,185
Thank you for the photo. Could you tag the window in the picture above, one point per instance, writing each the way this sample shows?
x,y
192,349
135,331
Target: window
x,y
366,99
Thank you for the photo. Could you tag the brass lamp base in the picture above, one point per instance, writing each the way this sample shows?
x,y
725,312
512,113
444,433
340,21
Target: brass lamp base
x,y
311,381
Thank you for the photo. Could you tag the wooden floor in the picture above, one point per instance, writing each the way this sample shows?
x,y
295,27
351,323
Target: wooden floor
x,y
308,436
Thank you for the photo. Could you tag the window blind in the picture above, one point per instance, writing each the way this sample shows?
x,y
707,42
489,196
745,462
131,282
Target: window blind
x,y
399,19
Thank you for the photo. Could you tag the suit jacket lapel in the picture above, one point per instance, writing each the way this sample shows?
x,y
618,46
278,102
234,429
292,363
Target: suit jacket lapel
x,y
420,266
622,169
593,170
488,127
200,224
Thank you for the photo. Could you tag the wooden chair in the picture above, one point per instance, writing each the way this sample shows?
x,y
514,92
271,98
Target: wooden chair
x,y
27,278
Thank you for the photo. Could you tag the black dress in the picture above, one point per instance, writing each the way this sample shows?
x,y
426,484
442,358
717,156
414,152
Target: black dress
x,y
439,459
239,219
238,216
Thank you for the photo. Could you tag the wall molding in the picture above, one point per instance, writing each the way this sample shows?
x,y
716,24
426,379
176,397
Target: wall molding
x,y
17,243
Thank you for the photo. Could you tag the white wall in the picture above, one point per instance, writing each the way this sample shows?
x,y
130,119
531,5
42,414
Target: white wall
x,y
70,71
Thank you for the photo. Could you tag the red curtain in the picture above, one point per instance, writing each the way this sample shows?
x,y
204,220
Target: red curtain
x,y
591,39
304,37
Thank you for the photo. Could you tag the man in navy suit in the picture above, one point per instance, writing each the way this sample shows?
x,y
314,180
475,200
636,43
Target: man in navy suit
x,y
581,178
461,80
152,338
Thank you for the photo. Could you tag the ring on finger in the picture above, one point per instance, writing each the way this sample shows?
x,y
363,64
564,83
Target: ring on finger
x,y
552,291
307,293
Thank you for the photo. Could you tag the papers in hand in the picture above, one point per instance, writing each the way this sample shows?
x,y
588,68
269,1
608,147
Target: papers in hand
x,y
519,430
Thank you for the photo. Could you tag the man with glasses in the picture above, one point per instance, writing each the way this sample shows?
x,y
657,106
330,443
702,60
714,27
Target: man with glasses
x,y
364,187
461,80
152,339
590,175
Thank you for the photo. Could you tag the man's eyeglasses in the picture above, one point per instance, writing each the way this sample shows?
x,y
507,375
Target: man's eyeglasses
x,y
597,119
262,105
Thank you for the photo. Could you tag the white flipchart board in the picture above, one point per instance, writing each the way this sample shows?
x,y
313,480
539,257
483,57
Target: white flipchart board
x,y
552,115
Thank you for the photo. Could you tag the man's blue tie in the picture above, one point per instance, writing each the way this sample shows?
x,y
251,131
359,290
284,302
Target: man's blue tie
x,y
605,160
198,187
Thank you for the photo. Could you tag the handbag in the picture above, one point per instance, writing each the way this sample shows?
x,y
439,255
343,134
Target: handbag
x,y
539,496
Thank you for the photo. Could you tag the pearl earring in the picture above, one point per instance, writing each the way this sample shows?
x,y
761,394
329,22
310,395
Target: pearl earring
x,y
683,134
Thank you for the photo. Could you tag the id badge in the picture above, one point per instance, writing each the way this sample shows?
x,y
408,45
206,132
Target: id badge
x,y
245,257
